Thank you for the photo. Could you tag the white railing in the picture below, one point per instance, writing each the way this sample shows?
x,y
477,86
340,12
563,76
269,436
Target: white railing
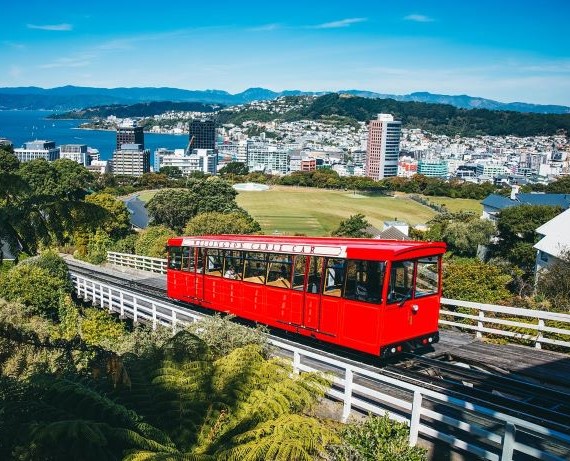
x,y
530,325
143,263
481,431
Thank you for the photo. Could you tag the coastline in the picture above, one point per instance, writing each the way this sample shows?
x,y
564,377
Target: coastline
x,y
114,129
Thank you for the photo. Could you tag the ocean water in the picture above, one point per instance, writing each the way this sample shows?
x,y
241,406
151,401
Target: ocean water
x,y
20,126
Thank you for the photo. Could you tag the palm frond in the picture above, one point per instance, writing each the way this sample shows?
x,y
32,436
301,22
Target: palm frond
x,y
290,437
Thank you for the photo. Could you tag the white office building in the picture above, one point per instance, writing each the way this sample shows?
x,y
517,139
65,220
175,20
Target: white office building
x,y
203,160
76,152
268,158
37,149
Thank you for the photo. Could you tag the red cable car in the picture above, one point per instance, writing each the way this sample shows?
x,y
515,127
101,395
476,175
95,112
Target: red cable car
x,y
375,296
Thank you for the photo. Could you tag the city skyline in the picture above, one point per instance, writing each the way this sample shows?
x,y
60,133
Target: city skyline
x,y
515,54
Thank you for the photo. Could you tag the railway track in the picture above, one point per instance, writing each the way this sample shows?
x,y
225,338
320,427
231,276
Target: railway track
x,y
512,395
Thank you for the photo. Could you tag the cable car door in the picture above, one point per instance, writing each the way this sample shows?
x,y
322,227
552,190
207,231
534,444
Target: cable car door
x,y
312,304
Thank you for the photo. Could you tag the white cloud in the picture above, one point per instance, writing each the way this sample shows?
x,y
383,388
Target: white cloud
x,y
18,46
80,61
56,27
338,24
418,18
266,27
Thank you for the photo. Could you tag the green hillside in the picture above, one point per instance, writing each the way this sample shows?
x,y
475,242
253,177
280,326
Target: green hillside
x,y
436,118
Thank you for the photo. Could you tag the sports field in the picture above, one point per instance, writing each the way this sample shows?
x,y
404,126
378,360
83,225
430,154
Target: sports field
x,y
290,210
311,211
454,205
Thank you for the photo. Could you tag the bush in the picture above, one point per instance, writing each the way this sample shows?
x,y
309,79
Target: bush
x,y
473,280
152,241
55,265
34,287
223,336
377,438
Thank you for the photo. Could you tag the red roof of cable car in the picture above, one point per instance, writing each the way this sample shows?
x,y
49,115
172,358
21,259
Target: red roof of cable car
x,y
321,246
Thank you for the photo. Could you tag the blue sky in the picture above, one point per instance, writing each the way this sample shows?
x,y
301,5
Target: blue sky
x,y
503,50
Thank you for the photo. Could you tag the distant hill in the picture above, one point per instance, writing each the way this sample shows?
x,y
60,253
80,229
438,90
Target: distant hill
x,y
75,97
143,109
436,118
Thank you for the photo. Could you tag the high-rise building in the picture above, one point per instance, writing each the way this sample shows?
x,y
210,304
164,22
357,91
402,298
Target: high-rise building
x,y
202,134
131,160
383,147
130,135
37,149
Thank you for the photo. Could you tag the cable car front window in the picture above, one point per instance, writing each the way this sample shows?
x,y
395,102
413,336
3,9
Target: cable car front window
x,y
401,281
427,276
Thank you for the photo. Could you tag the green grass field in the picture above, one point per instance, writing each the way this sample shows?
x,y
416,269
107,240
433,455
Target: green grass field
x,y
290,210
455,205
310,211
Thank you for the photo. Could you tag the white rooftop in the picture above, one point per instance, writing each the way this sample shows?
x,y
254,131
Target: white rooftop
x,y
556,235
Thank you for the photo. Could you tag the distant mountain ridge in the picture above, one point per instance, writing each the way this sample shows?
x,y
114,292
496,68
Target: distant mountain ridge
x,y
76,97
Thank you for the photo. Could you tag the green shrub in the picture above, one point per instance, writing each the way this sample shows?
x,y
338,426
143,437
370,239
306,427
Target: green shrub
x,y
376,438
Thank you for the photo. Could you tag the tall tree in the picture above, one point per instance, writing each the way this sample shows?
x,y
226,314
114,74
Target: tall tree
x,y
516,235
355,226
172,208
234,168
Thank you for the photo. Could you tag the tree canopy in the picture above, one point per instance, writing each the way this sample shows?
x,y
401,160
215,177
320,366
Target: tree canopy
x,y
355,226
215,223
516,233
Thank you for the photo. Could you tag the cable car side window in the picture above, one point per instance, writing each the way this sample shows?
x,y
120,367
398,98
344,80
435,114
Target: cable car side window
x,y
255,267
279,270
299,272
188,259
315,274
401,281
334,277
427,276
200,260
364,280
214,262
233,265
175,258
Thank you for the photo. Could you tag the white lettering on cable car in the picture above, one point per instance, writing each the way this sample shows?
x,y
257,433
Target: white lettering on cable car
x,y
317,250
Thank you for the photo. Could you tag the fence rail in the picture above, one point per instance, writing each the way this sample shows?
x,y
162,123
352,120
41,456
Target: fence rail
x,y
143,263
532,326
476,429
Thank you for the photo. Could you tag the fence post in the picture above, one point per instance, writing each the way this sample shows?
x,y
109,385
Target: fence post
x,y
153,316
110,299
173,321
296,361
102,293
415,418
480,324
348,379
539,335
122,298
508,442
135,310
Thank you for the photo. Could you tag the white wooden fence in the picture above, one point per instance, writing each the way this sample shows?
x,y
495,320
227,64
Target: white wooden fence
x,y
534,326
143,263
481,431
